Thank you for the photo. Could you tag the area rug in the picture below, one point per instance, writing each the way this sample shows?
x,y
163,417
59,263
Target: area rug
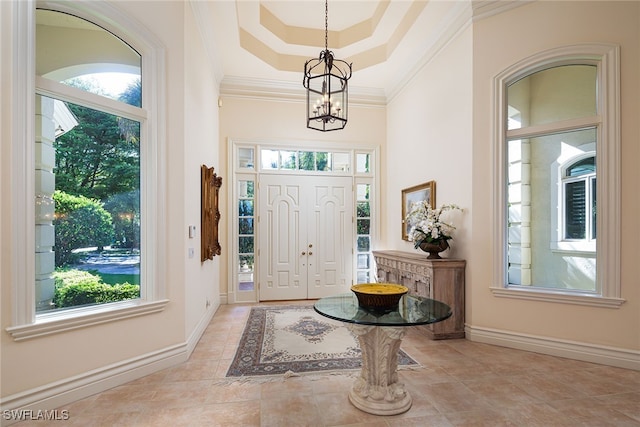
x,y
295,339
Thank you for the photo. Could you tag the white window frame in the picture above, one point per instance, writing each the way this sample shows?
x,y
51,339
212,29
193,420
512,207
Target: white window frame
x,y
557,170
25,323
588,243
606,57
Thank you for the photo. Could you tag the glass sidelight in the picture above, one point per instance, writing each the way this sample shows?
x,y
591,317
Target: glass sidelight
x,y
246,235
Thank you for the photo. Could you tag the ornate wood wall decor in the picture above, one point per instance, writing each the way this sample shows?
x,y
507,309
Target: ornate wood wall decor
x,y
210,216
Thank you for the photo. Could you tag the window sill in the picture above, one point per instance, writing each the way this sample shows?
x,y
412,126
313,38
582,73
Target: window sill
x,y
538,294
574,248
49,324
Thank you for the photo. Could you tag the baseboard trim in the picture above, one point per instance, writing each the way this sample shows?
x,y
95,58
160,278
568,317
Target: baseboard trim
x,y
200,328
611,356
68,390
63,392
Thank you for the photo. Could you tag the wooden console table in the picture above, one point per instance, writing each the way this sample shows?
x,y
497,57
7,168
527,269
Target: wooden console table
x,y
438,279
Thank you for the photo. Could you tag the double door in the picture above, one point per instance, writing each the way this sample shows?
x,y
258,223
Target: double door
x,y
305,235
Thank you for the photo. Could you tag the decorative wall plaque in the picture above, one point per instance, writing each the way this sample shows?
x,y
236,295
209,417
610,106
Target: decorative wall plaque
x,y
210,216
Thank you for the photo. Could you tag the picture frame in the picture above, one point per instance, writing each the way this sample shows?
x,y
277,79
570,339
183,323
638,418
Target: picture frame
x,y
417,193
210,214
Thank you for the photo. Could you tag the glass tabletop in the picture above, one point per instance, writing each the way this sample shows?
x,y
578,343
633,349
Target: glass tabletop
x,y
412,310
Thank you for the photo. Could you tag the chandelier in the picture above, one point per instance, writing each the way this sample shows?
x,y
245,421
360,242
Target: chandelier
x,y
325,79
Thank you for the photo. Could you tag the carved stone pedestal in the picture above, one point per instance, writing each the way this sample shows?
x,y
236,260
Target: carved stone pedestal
x,y
377,390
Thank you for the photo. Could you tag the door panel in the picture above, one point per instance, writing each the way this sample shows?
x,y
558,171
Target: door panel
x,y
331,234
305,236
281,275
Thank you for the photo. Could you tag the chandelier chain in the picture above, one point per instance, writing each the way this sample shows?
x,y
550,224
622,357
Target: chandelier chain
x,y
326,24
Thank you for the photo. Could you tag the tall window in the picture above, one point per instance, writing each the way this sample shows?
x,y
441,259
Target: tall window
x,y
88,159
540,104
115,210
363,230
246,234
558,147
364,218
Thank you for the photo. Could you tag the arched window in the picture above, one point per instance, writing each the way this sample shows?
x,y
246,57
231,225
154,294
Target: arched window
x,y
93,171
558,108
540,104
88,217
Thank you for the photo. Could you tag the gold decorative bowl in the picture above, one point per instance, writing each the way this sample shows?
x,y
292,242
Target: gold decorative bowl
x,y
379,296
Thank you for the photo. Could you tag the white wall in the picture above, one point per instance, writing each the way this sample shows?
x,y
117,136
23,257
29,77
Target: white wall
x,y
499,42
201,147
73,364
429,138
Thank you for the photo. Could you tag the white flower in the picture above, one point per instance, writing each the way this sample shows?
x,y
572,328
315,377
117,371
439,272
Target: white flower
x,y
425,223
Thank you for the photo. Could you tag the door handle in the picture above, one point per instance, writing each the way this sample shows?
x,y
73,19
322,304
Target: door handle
x,y
304,253
310,253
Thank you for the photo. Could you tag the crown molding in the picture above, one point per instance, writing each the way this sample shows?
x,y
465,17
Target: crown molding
x,y
246,87
485,8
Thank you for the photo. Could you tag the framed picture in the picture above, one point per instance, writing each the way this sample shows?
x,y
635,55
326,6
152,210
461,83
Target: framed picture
x,y
417,193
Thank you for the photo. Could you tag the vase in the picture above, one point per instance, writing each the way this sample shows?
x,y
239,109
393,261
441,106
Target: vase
x,y
434,249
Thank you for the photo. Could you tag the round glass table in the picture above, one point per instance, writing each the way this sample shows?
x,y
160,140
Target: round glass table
x,y
377,390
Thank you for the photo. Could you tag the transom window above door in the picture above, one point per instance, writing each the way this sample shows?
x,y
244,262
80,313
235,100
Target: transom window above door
x,y
277,159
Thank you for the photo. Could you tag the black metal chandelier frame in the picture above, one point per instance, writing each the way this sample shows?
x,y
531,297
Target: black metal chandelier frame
x,y
326,81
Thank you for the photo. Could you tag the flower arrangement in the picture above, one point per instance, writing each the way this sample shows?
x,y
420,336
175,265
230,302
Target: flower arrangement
x,y
426,226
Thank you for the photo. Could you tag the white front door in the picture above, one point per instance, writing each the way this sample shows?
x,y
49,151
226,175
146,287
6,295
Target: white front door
x,y
305,234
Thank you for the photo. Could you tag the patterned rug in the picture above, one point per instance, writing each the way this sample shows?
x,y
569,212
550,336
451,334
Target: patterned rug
x,y
296,339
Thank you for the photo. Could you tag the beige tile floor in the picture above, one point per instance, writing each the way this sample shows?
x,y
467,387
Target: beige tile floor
x,y
461,384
